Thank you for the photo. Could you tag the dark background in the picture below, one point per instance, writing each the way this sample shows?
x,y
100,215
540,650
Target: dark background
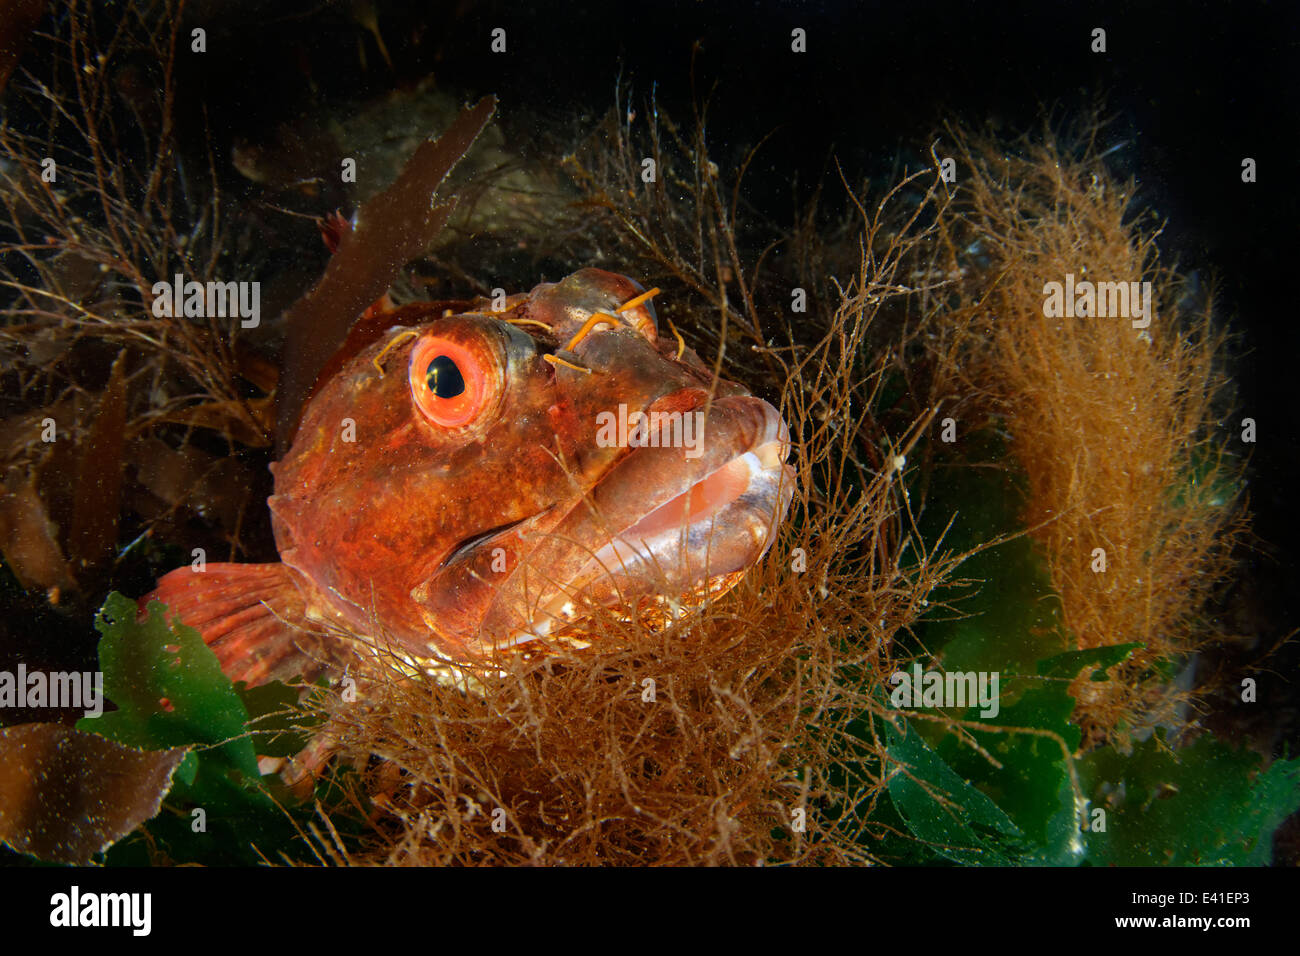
x,y
1192,89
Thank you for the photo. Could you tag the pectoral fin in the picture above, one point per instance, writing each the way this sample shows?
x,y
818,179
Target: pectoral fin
x,y
253,616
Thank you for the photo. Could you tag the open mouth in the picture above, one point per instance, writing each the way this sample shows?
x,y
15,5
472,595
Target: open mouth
x,y
719,517
702,504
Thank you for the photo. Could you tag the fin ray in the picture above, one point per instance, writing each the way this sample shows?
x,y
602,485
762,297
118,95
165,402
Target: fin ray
x,y
253,616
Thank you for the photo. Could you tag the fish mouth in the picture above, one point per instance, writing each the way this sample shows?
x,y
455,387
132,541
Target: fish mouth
x,y
671,525
706,504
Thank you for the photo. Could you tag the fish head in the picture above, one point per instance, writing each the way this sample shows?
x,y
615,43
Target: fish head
x,y
485,479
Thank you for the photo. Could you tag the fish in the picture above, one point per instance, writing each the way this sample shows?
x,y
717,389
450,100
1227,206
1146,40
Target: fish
x,y
480,481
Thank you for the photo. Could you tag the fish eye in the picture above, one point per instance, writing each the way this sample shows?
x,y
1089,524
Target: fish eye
x,y
444,378
450,381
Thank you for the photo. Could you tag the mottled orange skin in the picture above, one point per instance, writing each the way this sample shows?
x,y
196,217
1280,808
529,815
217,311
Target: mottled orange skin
x,y
374,498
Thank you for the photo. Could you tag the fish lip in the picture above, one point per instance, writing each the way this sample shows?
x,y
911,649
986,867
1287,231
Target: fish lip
x,y
766,454
747,519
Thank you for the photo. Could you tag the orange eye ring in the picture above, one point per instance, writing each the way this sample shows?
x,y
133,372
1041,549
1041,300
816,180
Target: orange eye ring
x,y
449,384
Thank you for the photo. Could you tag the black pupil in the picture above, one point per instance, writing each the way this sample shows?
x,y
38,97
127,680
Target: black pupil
x,y
444,378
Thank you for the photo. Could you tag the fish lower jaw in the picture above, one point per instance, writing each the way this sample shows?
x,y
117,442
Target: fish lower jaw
x,y
442,670
575,629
